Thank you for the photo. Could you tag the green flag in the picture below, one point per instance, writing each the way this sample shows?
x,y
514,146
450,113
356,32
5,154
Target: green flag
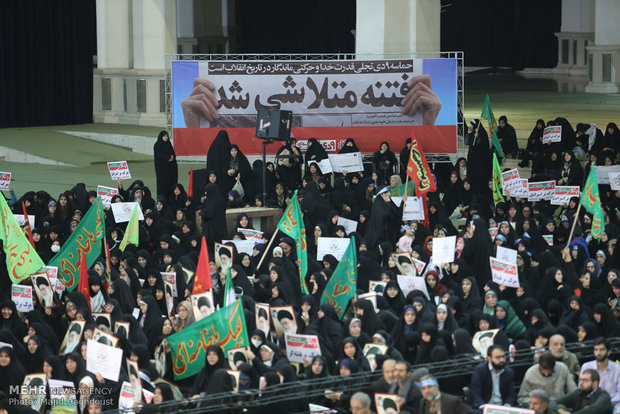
x,y
591,200
292,224
487,113
400,190
343,283
229,290
22,259
132,231
225,328
497,181
87,238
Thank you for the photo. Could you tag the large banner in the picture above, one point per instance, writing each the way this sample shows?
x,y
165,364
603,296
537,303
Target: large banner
x,y
331,101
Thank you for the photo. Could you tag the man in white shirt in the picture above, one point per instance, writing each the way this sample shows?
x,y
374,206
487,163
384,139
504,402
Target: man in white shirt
x,y
608,371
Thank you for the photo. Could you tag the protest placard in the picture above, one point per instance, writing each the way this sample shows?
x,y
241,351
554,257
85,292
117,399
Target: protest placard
x,y
324,165
331,245
419,265
122,211
300,347
552,134
21,220
119,169
541,190
506,255
251,234
520,190
410,283
21,295
103,359
504,273
501,409
351,162
614,180
171,277
5,180
443,250
603,171
414,209
106,193
563,194
349,225
510,179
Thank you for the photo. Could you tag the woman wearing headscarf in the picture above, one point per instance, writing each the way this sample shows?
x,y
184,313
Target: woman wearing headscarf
x,y
606,322
365,311
10,319
430,339
553,286
351,350
406,324
289,161
477,250
218,161
534,143
314,206
575,314
444,319
508,321
315,152
328,326
478,156
469,293
462,343
35,355
241,281
394,297
214,361
75,368
239,167
571,172
384,163
384,223
11,370
213,215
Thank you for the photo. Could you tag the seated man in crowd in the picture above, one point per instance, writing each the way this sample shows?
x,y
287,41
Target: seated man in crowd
x,y
404,385
548,375
539,402
608,371
435,401
557,347
360,403
492,382
588,399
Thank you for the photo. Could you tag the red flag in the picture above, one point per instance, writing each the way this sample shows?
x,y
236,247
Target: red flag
x,y
418,169
108,266
202,278
28,229
190,186
83,286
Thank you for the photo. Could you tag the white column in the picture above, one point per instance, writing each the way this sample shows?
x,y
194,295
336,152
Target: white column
x,y
605,53
577,30
397,26
154,32
113,34
607,31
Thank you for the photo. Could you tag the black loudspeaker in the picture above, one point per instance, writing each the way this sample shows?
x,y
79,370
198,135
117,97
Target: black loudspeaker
x,y
274,125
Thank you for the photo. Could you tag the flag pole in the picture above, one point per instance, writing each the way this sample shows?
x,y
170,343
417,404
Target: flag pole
x,y
267,249
570,236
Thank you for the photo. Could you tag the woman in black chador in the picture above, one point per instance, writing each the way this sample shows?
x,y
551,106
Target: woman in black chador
x,y
166,169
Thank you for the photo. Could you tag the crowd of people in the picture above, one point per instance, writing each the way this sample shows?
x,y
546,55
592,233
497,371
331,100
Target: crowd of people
x,y
569,288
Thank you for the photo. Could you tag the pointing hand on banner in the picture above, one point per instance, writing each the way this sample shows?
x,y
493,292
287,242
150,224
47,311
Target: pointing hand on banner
x,y
421,97
200,102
